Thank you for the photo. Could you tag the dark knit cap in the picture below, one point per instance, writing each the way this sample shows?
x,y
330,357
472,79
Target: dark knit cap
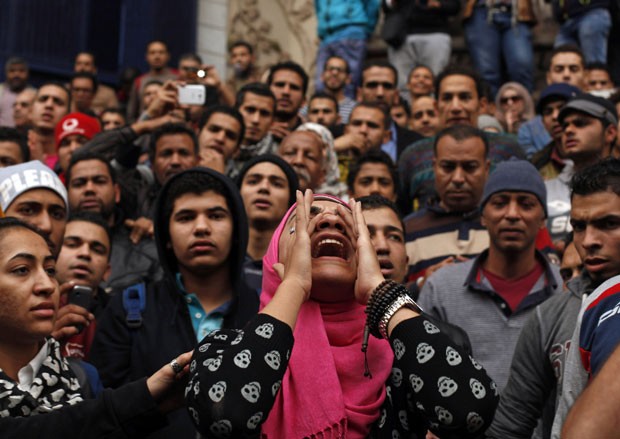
x,y
515,175
291,176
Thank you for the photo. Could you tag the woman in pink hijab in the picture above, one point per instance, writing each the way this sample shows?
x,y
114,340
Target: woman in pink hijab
x,y
298,369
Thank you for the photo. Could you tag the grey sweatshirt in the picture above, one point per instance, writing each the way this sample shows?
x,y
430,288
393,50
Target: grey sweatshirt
x,y
537,367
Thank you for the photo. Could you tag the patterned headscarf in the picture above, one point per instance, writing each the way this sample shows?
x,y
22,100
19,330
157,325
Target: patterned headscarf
x,y
332,185
528,107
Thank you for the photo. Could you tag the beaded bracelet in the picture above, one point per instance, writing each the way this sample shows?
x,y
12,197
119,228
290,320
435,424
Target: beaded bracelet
x,y
385,295
382,296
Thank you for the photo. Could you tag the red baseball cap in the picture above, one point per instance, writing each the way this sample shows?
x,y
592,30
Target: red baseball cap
x,y
76,123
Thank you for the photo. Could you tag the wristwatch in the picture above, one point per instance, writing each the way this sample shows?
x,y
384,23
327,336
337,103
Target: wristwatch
x,y
401,301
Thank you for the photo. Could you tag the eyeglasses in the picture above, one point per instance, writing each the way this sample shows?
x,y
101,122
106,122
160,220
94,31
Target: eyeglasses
x,y
335,69
376,84
506,99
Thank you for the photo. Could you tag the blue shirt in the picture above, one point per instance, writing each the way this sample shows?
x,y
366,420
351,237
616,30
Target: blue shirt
x,y
389,147
533,136
202,322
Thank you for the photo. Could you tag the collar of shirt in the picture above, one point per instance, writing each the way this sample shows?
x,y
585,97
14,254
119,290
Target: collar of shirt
x,y
26,374
202,322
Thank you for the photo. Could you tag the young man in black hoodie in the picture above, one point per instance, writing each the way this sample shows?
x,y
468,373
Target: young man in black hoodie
x,y
201,234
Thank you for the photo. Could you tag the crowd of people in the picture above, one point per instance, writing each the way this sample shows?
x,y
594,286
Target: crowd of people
x,y
414,249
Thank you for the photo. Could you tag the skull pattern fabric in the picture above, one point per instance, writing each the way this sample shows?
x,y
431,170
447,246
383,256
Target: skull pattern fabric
x,y
53,387
433,383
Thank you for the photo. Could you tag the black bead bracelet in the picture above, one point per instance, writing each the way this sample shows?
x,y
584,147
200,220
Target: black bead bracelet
x,y
380,299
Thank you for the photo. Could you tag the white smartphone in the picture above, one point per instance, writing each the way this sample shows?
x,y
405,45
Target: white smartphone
x,y
192,94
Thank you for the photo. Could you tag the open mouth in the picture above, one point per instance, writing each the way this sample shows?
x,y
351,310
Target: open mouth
x,y
329,247
385,264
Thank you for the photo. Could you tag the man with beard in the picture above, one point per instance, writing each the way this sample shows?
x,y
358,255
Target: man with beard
x,y
243,62
336,76
289,83
257,104
91,186
16,70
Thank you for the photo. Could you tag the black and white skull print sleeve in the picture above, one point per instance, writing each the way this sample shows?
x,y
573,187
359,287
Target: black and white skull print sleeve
x,y
446,387
235,376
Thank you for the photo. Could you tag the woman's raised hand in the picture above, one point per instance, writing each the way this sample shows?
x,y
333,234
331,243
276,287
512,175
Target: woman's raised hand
x,y
296,270
369,274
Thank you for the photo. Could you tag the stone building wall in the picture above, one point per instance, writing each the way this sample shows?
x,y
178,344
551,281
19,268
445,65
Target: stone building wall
x,y
286,29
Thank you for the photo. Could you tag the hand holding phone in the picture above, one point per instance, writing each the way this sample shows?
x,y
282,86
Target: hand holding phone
x,y
82,296
192,94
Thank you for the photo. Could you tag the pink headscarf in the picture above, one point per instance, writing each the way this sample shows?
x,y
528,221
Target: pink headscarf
x,y
324,392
